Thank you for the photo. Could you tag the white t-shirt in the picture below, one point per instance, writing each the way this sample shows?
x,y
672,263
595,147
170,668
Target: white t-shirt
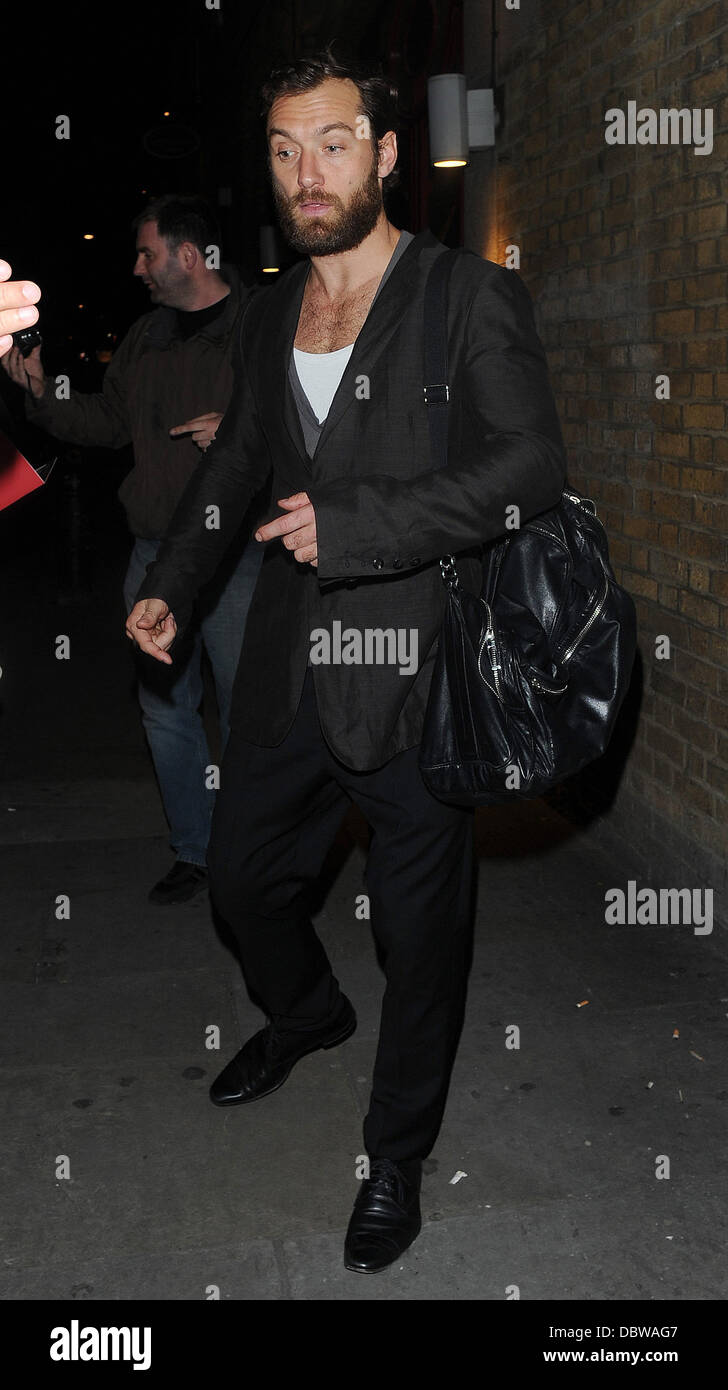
x,y
319,374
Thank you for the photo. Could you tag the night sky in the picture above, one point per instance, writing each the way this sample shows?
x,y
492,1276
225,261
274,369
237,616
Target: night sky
x,y
114,69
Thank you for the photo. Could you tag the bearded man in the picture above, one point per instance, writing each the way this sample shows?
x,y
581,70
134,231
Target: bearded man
x,y
330,404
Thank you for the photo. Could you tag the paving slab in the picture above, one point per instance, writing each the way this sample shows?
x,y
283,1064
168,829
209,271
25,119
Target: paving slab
x,y
137,1160
580,1250
233,1272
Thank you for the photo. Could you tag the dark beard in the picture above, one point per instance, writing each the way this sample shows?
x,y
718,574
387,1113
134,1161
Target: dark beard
x,y
330,235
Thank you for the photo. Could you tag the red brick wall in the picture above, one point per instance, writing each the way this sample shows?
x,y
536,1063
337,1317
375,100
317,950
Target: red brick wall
x,y
624,248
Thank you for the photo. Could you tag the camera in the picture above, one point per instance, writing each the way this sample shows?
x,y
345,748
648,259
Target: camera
x,y
26,339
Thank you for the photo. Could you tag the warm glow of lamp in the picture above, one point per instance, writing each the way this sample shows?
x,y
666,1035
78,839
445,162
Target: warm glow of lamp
x,y
459,120
447,106
88,236
268,248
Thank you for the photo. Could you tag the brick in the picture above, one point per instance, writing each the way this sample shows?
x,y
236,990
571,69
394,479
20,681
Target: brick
x,y
674,259
713,515
668,566
694,731
711,352
669,475
702,385
711,645
702,544
641,527
672,504
707,219
696,702
695,765
707,253
703,448
640,584
668,535
666,684
668,744
718,778
706,88
671,445
708,319
706,286
706,21
675,322
703,610
663,775
719,583
667,596
718,713
709,480
707,417
699,579
696,673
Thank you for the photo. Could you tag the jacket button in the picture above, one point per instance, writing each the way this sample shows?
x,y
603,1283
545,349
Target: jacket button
x,y
378,564
396,564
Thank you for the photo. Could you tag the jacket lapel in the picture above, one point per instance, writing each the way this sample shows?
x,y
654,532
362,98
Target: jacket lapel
x,y
277,354
379,327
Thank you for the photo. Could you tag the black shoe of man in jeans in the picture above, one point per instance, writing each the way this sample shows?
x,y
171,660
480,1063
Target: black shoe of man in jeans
x,y
182,882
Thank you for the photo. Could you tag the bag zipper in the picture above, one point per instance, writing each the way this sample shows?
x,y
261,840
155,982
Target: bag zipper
x,y
489,642
596,610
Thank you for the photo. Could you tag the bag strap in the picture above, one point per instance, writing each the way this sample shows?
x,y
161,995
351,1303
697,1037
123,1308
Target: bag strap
x,y
436,388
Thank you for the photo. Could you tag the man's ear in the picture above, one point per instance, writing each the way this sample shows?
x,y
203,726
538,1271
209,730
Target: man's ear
x,y
387,154
189,255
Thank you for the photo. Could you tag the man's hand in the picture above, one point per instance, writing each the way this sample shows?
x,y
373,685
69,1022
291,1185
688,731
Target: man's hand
x,y
297,529
203,429
26,371
17,298
152,627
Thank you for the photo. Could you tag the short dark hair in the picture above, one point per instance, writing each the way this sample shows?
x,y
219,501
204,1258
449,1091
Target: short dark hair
x,y
379,96
181,218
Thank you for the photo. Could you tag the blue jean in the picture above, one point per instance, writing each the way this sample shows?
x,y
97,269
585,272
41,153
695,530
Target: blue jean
x,y
170,696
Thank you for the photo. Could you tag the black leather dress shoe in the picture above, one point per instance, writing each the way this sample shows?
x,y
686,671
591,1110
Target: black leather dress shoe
x,y
180,884
268,1058
386,1216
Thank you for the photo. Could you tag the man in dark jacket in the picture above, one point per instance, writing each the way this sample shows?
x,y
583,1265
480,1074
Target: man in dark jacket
x,y
330,403
165,390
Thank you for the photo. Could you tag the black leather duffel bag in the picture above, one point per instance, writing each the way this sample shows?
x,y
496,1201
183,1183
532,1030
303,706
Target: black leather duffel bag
x,y
530,675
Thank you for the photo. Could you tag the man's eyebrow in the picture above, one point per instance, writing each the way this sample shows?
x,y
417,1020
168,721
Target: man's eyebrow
x,y
320,130
143,248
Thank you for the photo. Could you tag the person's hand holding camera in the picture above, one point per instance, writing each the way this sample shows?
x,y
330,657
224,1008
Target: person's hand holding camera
x,y
17,311
26,371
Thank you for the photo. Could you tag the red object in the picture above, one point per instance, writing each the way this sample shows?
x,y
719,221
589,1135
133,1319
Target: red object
x,y
17,476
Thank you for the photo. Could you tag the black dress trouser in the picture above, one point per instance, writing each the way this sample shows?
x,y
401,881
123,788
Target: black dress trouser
x,y
276,815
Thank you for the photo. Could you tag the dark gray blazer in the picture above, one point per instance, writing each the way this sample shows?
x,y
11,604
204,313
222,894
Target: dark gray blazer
x,y
384,516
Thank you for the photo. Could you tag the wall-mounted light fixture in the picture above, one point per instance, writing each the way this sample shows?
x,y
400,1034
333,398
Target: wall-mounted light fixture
x,y
459,120
268,248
